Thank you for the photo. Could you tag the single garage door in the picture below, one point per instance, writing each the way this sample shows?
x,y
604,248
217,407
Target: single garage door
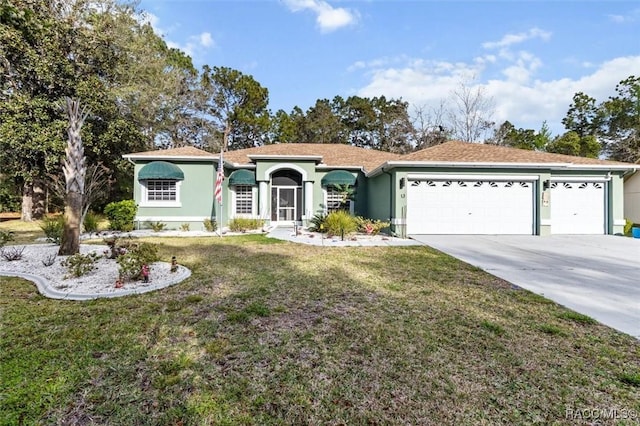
x,y
470,206
578,207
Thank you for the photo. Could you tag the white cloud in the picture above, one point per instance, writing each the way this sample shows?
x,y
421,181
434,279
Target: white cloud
x,y
206,40
511,39
632,16
518,97
328,18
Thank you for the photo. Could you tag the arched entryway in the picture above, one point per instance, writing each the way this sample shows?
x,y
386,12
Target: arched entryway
x,y
286,196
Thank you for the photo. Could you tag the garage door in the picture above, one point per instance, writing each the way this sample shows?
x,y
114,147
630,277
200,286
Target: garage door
x,y
438,206
578,207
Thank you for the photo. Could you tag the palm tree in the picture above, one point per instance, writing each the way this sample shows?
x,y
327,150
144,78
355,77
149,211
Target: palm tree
x,y
74,169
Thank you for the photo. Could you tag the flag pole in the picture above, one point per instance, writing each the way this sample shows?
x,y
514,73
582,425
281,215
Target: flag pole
x,y
219,191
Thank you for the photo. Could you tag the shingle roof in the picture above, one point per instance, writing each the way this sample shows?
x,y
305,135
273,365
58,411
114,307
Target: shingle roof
x,y
336,155
463,152
185,151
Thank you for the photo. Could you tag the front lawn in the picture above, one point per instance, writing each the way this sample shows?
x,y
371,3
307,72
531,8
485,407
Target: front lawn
x,y
277,333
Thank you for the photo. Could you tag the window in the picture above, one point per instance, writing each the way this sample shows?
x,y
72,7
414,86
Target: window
x,y
160,193
161,190
336,201
244,199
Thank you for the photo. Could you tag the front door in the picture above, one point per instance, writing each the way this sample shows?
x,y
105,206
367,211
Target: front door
x,y
286,197
284,204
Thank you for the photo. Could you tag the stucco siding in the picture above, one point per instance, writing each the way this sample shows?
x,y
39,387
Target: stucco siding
x,y
195,198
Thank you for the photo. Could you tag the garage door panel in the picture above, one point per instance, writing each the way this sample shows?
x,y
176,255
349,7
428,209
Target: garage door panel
x,y
470,207
578,207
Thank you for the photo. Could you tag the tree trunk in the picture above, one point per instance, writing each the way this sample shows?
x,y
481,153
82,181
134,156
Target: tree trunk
x,y
39,199
70,243
27,202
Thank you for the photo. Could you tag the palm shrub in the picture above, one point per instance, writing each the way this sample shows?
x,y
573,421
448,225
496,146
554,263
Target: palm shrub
x,y
90,223
318,222
52,228
341,223
121,214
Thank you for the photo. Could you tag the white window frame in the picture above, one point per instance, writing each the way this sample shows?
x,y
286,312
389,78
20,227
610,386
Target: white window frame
x,y
234,201
145,202
327,210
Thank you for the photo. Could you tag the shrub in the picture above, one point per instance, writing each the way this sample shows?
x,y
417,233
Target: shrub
x,y
241,224
341,223
370,226
157,226
53,228
318,222
5,237
90,223
130,263
121,214
80,264
185,227
210,225
11,254
49,260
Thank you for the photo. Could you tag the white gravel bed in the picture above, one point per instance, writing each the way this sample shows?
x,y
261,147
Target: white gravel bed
x,y
55,280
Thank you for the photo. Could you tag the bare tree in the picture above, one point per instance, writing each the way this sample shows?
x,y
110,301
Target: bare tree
x,y
74,169
96,185
429,126
471,114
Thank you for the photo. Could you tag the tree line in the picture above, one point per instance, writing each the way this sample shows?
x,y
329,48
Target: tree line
x,y
143,95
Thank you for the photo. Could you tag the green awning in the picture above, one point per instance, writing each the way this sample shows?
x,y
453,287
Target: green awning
x,y
338,177
242,177
160,170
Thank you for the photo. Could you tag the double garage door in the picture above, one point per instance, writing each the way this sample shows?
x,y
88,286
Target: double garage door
x,y
500,206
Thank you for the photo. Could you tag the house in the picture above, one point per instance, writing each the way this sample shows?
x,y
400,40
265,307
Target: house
x,y
452,188
632,196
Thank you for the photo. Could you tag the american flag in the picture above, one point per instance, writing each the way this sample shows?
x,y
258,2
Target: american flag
x,y
219,179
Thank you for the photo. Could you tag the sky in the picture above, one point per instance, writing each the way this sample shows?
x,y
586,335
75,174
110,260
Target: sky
x,y
528,58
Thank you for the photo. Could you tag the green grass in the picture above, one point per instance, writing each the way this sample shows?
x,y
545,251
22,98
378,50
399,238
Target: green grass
x,y
267,334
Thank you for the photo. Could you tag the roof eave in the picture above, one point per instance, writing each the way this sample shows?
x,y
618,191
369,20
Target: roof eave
x,y
169,157
551,166
317,158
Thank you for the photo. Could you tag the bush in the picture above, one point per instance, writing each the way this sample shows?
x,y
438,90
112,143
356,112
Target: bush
x,y
210,225
121,214
80,264
90,223
5,237
11,254
53,228
341,223
130,263
318,223
241,224
185,227
370,226
157,226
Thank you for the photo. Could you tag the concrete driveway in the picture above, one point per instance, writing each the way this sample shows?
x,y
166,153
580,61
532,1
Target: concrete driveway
x,y
596,275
